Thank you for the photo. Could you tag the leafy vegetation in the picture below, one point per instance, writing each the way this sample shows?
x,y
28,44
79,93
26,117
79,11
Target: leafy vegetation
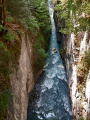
x,y
5,97
9,36
2,28
41,55
73,16
9,54
9,19
63,53
34,16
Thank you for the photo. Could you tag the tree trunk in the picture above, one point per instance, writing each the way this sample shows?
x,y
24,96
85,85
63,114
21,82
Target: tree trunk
x,y
2,12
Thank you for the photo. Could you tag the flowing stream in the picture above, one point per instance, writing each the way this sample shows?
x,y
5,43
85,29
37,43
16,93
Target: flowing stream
x,y
50,100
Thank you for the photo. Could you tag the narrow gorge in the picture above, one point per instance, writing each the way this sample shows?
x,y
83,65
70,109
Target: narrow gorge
x,y
49,100
44,60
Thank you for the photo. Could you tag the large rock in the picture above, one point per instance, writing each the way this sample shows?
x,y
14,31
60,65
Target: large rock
x,y
21,83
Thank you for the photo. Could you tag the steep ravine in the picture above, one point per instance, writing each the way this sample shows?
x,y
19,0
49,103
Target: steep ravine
x,y
24,40
74,37
72,55
80,99
49,99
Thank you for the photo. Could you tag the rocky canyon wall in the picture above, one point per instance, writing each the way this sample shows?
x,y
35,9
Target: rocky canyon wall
x,y
24,40
73,57
21,82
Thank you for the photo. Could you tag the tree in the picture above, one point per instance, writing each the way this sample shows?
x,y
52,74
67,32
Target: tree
x,y
2,12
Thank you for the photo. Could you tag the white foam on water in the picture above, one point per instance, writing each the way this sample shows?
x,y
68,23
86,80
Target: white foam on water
x,y
50,115
40,117
61,66
43,89
62,77
37,112
51,73
46,65
65,99
48,83
55,59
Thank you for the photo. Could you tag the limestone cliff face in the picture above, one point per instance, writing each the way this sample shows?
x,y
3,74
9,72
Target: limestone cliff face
x,y
21,82
74,53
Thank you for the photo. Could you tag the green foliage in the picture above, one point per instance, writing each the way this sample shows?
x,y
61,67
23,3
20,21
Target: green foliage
x,y
9,36
32,14
32,24
21,11
82,118
2,28
5,58
64,15
70,16
5,97
64,31
63,51
83,24
2,45
9,19
41,13
9,53
41,55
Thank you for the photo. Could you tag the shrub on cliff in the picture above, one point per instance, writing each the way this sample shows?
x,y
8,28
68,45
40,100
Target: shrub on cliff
x,y
10,46
41,55
34,16
5,97
73,16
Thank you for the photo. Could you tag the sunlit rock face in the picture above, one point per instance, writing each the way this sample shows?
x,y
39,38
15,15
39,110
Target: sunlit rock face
x,y
21,83
80,105
88,95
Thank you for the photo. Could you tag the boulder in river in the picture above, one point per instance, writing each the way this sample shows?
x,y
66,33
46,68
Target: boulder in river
x,y
55,50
